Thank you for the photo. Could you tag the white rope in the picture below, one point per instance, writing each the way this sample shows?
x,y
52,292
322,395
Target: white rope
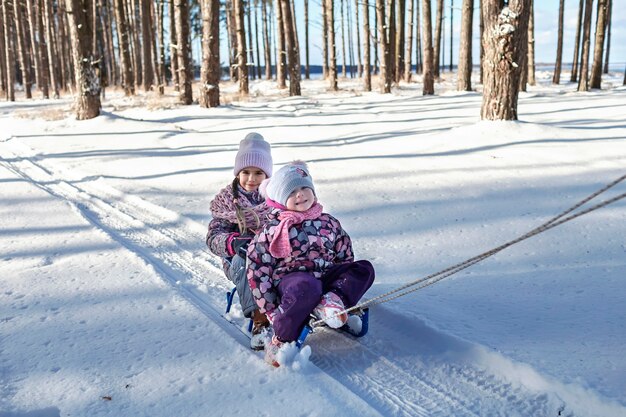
x,y
438,276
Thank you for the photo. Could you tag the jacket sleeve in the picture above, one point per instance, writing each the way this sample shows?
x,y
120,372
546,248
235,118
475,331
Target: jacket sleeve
x,y
219,234
261,265
343,247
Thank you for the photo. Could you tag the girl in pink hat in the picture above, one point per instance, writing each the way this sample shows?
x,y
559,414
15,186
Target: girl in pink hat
x,y
239,211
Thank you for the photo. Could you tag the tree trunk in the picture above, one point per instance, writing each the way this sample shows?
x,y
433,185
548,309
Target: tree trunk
x,y
579,25
343,41
451,31
135,44
250,51
400,41
583,80
3,64
332,58
22,48
32,25
481,28
211,70
123,37
358,39
367,72
86,78
609,12
67,69
50,36
256,40
325,40
281,58
556,77
9,57
43,48
506,42
598,49
391,38
409,43
293,52
266,42
418,39
146,44
531,44
161,30
385,73
427,35
173,47
437,45
464,82
185,72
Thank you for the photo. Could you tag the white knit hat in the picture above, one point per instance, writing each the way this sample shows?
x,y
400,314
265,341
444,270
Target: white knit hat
x,y
287,179
254,151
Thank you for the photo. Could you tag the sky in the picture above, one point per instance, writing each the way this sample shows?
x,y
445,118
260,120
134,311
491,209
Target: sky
x,y
546,31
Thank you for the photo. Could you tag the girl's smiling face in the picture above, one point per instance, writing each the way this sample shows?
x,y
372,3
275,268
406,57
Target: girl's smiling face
x,y
301,199
251,177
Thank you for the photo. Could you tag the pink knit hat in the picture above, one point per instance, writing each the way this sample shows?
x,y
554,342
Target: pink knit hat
x,y
254,151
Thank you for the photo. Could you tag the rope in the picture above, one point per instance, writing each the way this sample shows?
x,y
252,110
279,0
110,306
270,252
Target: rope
x,y
438,276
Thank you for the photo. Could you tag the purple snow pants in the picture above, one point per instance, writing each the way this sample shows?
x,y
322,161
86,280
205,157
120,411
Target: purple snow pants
x,y
300,292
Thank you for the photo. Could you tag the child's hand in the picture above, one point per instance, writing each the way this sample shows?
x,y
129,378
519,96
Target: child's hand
x,y
239,244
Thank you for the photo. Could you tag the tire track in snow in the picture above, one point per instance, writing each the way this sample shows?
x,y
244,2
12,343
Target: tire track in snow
x,y
391,382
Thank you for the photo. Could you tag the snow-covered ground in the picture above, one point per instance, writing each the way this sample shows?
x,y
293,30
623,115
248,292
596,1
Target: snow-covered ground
x,y
110,305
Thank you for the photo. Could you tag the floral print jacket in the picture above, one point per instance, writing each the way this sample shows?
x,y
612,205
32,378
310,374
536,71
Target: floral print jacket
x,y
316,245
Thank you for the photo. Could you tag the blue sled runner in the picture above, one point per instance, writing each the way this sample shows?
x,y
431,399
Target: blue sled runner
x,y
355,331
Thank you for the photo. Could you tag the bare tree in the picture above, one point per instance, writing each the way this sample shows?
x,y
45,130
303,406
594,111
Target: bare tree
x,y
505,41
22,48
50,33
385,70
531,45
87,101
451,31
598,49
173,46
211,70
358,39
409,42
609,12
556,77
332,51
583,80
266,41
248,13
9,51
464,82
574,73
123,36
3,64
325,39
400,33
43,49
427,39
36,59
146,31
437,45
183,51
281,58
293,51
367,72
307,70
343,40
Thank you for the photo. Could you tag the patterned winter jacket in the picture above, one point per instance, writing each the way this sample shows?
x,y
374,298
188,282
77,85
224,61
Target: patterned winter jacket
x,y
316,245
223,224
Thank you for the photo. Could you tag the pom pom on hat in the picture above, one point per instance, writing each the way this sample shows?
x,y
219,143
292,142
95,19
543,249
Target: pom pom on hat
x,y
287,179
254,151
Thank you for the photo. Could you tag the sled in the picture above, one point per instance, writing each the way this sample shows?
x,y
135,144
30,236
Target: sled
x,y
308,328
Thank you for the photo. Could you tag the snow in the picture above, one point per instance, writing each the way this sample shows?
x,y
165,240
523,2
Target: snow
x,y
110,305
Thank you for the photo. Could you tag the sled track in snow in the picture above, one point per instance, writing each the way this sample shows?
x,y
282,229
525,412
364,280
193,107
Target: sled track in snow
x,y
394,382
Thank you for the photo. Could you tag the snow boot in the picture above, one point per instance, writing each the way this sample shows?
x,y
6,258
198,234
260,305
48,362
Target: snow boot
x,y
260,331
327,310
271,351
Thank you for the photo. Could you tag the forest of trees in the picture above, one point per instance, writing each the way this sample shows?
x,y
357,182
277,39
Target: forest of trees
x,y
84,46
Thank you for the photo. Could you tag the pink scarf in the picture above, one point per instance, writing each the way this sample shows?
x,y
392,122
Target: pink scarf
x,y
280,246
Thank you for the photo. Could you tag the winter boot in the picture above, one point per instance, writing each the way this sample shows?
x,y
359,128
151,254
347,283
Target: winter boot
x,y
328,309
260,330
271,351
